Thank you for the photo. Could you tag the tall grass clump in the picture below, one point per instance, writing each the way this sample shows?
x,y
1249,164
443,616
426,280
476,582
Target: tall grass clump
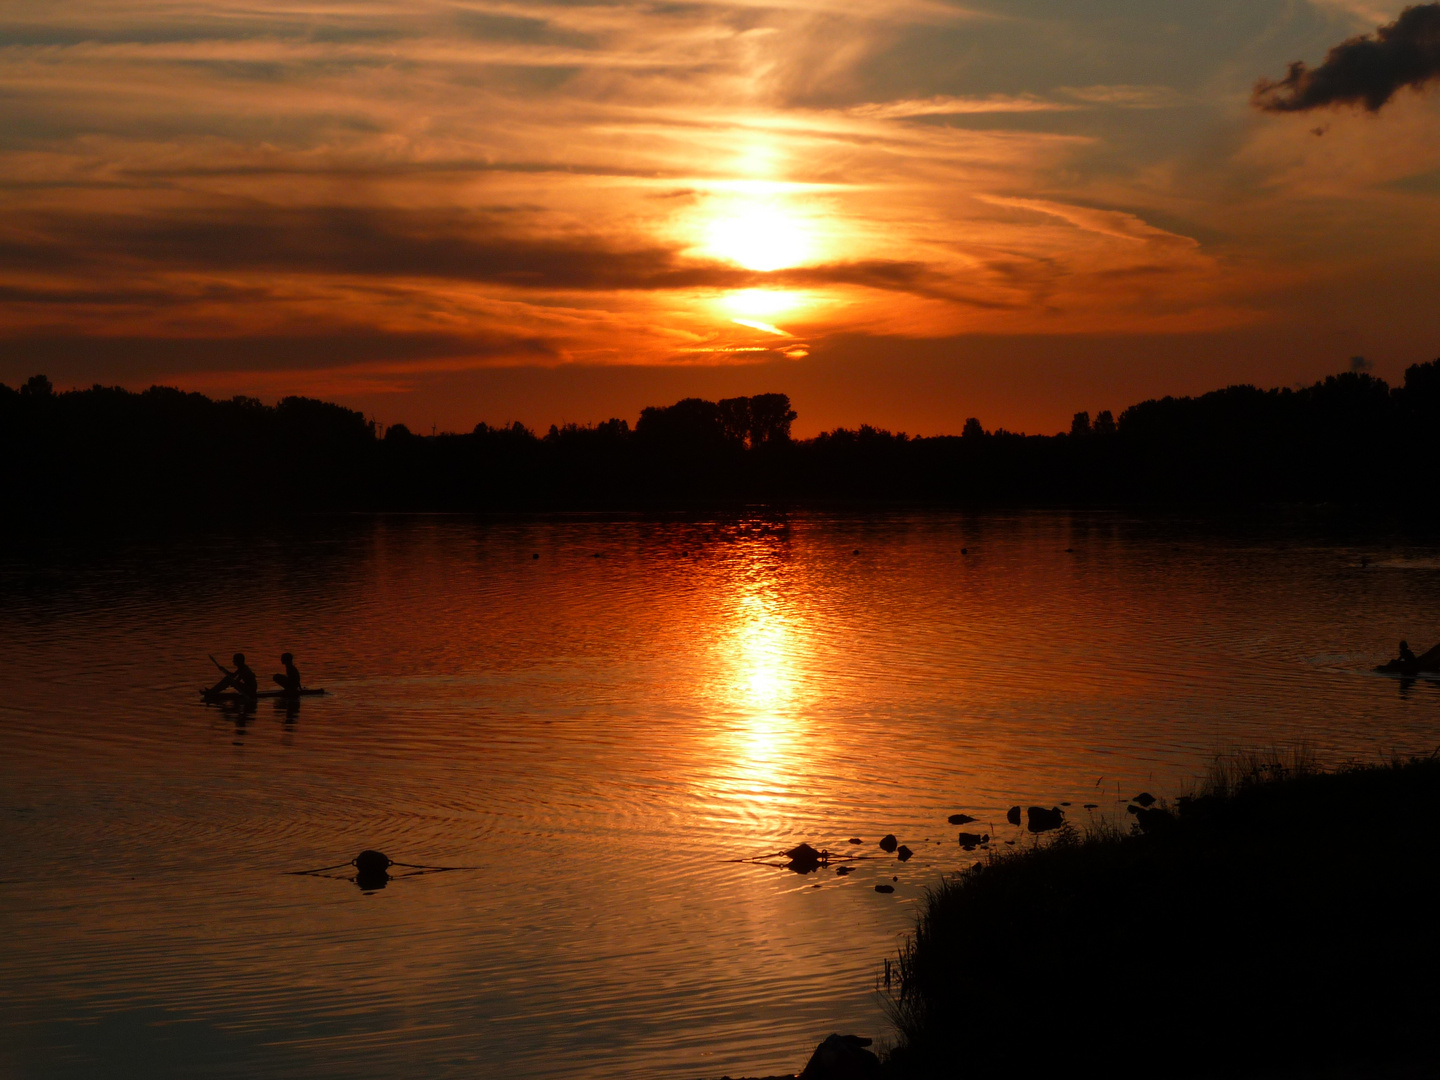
x,y
1280,921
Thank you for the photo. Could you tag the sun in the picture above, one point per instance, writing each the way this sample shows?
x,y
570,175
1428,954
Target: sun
x,y
759,237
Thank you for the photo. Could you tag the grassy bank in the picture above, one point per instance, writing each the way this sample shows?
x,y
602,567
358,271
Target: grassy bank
x,y
1281,922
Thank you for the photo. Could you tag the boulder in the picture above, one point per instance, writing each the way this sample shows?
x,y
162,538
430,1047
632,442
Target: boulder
x,y
842,1057
903,853
1040,819
888,843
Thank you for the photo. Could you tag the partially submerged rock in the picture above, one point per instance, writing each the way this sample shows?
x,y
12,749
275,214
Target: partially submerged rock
x,y
1040,819
888,843
372,869
841,871
884,888
970,841
805,859
1013,815
903,853
1153,819
961,819
842,1057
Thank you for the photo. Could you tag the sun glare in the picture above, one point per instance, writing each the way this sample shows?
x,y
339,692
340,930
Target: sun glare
x,y
759,237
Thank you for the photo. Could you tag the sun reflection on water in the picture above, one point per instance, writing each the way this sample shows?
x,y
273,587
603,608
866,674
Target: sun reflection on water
x,y
761,689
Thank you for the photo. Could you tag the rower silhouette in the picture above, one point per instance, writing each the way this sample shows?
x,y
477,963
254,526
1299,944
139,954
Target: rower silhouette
x,y
289,681
241,679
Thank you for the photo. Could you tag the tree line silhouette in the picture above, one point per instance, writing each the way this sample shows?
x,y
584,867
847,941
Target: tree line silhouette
x,y
1349,438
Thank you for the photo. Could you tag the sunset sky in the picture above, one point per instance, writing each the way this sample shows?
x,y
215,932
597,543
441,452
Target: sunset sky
x,y
901,212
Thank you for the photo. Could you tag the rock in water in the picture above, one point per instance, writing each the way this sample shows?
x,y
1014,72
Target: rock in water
x,y
371,869
970,841
371,863
889,843
1153,820
856,840
1042,820
841,871
904,853
804,859
842,1057
884,888
1013,815
960,819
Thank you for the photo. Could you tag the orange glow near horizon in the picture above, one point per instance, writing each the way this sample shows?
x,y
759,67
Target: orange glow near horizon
x,y
402,206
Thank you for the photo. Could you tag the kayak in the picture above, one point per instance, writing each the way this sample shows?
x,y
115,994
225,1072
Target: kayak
x,y
235,695
1427,663
1398,667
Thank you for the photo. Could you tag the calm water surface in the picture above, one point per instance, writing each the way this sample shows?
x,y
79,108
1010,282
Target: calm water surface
x,y
600,733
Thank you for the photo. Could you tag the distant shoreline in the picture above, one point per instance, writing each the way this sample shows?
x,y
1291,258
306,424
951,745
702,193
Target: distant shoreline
x,y
106,452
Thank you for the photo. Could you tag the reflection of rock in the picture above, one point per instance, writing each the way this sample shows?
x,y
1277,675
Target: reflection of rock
x,y
884,888
1013,815
889,843
842,1057
904,853
804,859
960,819
970,841
1042,820
1144,799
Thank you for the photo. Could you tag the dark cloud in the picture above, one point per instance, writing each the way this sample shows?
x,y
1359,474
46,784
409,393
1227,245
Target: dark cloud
x,y
1364,70
82,357
381,244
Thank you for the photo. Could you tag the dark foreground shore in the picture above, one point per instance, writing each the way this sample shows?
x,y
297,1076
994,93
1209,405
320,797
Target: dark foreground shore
x,y
1282,922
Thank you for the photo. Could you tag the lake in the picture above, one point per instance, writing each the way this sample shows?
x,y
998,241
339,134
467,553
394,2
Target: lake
x,y
597,721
